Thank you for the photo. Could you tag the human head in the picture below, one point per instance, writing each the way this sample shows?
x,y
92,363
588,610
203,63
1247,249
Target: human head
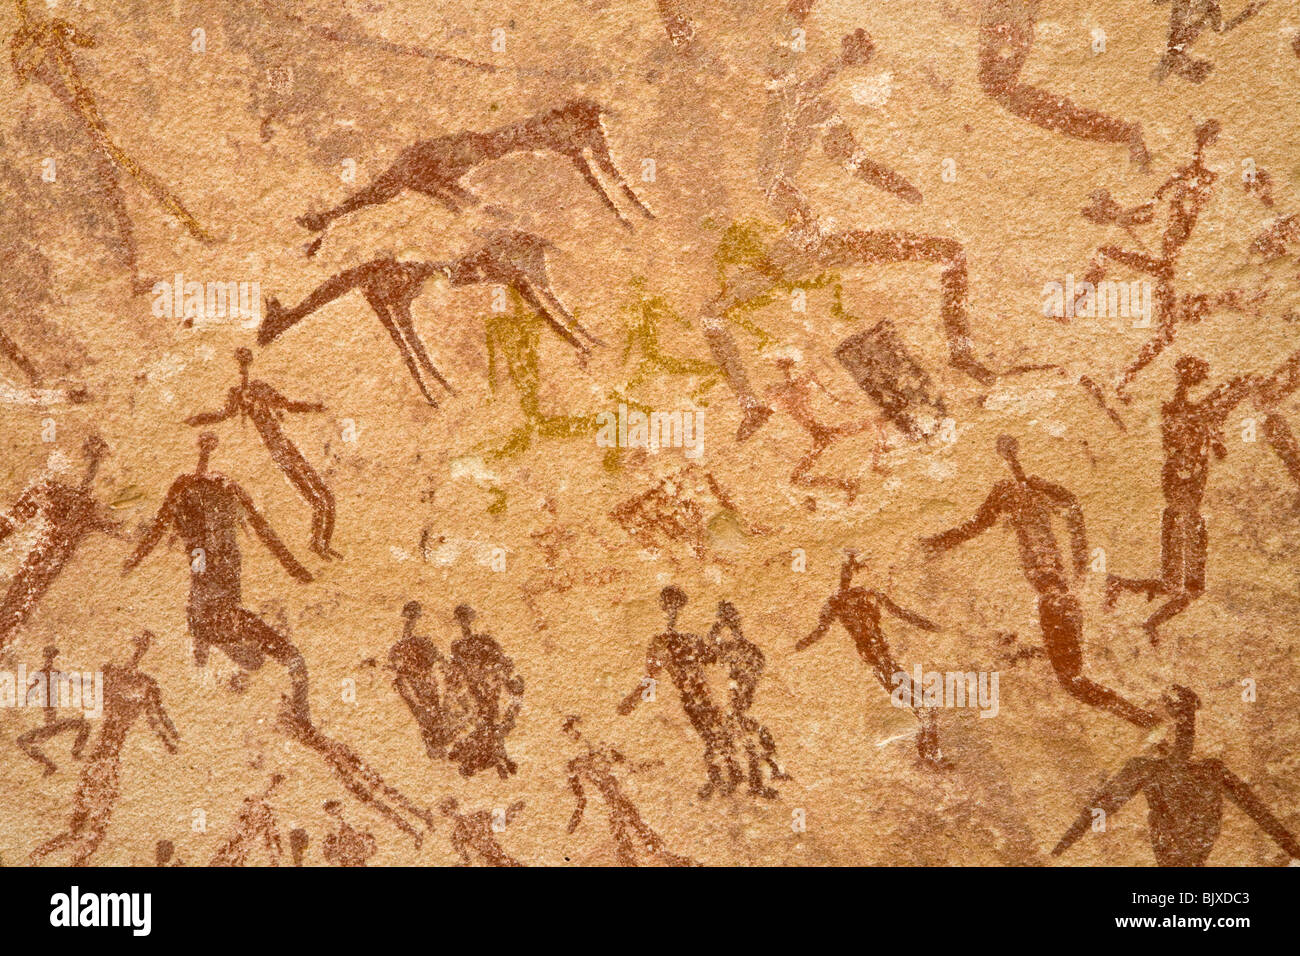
x,y
856,48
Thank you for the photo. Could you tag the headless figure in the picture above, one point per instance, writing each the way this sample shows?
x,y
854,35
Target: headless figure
x,y
255,824
265,407
30,742
1186,193
346,845
298,841
481,674
745,662
685,657
516,260
1006,33
435,167
633,837
417,664
858,609
1190,432
472,833
793,394
1187,19
206,509
129,694
1184,796
44,50
1029,504
66,515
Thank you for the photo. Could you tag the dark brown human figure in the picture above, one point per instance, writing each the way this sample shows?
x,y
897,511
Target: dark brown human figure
x,y
633,837
43,49
436,166
1028,504
67,514
206,509
685,657
744,662
1006,33
858,609
516,260
1186,194
1187,19
1190,432
129,693
254,826
30,742
346,845
793,394
264,406
1184,796
474,832
418,666
480,673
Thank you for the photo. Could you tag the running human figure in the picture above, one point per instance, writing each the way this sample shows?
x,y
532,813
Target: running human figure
x,y
1187,18
481,675
1184,796
794,394
685,657
265,407
43,49
1185,193
206,509
475,833
66,514
632,835
744,662
31,742
1190,432
1006,38
1029,504
129,694
858,609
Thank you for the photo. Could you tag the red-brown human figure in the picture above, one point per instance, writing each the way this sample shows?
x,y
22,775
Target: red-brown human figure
x,y
745,662
1029,504
255,825
858,609
515,260
473,833
1187,18
1186,194
1184,796
1006,37
435,167
31,741
633,837
66,515
265,407
206,509
418,667
480,674
1190,432
793,394
685,657
129,693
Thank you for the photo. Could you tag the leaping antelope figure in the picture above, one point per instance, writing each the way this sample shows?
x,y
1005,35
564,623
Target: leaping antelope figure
x,y
516,260
435,166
